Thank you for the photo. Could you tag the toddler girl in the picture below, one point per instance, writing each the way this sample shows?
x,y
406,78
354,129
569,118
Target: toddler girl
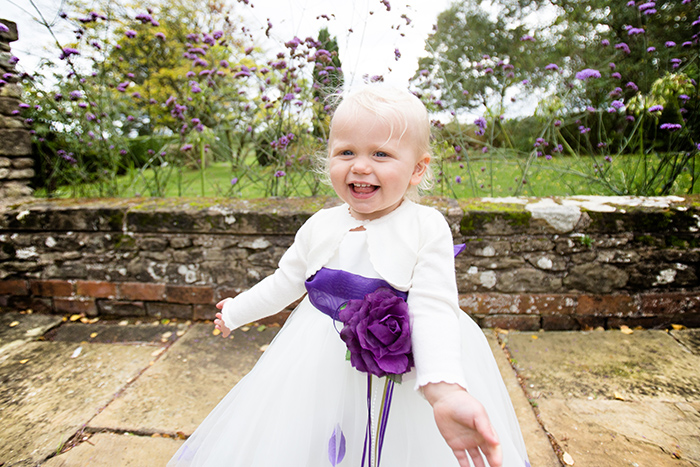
x,y
377,365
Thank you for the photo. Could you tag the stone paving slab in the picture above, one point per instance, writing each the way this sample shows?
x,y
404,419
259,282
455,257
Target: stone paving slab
x,y
49,390
614,399
618,433
180,390
644,365
17,329
111,450
689,338
115,332
539,449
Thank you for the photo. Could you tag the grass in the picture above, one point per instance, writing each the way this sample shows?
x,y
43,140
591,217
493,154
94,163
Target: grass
x,y
497,174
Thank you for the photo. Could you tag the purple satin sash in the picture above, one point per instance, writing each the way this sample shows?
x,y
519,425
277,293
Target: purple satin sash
x,y
329,289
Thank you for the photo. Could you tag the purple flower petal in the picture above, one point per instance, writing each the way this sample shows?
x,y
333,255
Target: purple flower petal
x,y
336,446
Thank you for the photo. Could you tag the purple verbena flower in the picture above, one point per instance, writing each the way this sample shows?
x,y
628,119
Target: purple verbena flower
x,y
587,73
616,75
552,66
280,173
671,126
160,36
670,44
632,86
623,46
186,147
67,52
130,33
656,108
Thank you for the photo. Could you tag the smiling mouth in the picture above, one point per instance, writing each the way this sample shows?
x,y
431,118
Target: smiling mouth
x,y
363,188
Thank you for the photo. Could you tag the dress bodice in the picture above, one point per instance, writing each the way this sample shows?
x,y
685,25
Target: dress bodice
x,y
349,275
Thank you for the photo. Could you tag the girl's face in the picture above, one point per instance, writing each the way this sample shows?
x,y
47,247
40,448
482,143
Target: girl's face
x,y
370,168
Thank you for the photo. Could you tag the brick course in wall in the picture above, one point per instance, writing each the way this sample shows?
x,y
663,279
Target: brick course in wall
x,y
530,264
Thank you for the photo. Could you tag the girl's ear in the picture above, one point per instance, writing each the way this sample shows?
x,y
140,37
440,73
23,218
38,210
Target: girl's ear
x,y
420,168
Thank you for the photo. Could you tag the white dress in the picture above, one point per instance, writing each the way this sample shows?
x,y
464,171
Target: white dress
x,y
303,392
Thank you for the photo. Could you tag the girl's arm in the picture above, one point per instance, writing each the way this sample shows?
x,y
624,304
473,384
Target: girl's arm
x,y
464,424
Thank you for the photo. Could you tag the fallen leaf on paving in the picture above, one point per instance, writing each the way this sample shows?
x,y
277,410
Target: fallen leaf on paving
x,y
93,335
24,361
166,335
264,347
568,460
84,320
535,337
76,352
245,328
180,333
94,320
156,435
619,396
165,435
14,323
164,321
157,352
75,317
678,327
123,323
216,331
625,329
261,328
181,435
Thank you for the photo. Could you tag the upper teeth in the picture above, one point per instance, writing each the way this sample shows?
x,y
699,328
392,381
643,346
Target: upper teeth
x,y
362,185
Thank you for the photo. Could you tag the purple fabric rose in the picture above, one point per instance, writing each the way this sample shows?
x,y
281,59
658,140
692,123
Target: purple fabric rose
x,y
377,333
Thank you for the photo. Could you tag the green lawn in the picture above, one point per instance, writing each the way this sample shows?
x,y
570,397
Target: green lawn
x,y
496,174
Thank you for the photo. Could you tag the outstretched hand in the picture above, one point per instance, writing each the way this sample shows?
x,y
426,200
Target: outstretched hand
x,y
464,424
219,321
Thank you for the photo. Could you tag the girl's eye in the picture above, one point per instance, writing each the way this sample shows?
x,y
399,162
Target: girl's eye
x,y
347,152
381,154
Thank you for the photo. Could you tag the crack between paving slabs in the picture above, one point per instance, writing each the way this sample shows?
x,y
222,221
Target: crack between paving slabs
x,y
502,339
80,435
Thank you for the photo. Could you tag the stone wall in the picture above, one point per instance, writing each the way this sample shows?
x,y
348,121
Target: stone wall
x,y
16,163
567,263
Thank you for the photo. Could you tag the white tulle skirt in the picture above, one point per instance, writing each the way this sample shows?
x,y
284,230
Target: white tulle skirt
x,y
302,392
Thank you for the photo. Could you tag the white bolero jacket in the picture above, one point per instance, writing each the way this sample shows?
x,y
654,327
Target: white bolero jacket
x,y
411,248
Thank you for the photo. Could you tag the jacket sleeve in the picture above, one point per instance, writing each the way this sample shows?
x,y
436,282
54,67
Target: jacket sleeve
x,y
433,307
277,290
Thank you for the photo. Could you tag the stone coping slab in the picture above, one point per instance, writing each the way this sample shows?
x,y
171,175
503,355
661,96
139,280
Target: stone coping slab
x,y
49,390
123,450
181,388
490,216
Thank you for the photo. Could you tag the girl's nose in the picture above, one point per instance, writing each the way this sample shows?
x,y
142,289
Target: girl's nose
x,y
361,166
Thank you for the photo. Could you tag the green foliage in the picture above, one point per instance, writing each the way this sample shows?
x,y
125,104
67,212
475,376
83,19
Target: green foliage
x,y
614,79
159,87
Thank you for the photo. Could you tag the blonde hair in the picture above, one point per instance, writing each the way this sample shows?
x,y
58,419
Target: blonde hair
x,y
401,111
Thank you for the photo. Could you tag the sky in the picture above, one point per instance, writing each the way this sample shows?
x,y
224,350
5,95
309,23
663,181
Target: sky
x,y
368,35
